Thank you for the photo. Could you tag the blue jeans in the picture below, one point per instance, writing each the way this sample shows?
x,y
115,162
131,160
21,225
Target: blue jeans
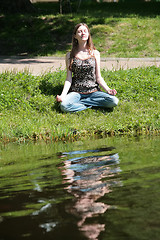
x,y
75,102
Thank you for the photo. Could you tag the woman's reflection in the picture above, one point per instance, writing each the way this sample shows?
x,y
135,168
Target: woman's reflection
x,y
89,178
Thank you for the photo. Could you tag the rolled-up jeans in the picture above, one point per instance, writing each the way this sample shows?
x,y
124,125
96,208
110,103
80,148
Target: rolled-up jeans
x,y
75,102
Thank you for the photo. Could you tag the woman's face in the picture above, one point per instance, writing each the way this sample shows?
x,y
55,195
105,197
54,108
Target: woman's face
x,y
82,33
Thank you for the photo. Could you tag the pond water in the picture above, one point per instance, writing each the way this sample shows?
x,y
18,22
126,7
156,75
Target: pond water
x,y
96,189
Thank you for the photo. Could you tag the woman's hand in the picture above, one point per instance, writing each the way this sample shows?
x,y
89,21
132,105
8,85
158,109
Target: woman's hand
x,y
59,98
112,92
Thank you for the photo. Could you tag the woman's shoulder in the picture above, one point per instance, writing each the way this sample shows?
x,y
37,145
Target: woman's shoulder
x,y
96,53
68,55
68,59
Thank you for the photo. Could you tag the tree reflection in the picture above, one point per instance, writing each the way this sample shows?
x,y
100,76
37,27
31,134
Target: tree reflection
x,y
88,179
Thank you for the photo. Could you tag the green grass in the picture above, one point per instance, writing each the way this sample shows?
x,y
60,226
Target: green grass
x,y
118,30
28,109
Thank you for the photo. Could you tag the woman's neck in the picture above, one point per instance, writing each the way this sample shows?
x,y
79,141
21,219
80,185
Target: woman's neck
x,y
82,47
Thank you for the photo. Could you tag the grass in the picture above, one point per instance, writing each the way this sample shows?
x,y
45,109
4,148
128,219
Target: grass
x,y
118,30
28,109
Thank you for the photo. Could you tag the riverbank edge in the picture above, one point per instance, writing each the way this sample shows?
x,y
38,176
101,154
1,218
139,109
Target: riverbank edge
x,y
84,135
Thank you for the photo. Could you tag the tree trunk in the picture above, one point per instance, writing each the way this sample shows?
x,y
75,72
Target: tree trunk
x,y
13,6
64,6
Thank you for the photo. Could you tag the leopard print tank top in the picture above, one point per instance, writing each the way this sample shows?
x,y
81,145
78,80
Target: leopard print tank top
x,y
83,76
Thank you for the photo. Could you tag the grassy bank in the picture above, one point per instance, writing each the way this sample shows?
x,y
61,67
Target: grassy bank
x,y
118,30
28,109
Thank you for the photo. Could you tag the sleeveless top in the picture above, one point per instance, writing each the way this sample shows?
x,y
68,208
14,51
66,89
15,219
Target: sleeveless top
x,y
83,76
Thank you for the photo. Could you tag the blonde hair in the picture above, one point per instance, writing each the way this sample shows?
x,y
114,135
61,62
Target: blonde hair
x,y
74,49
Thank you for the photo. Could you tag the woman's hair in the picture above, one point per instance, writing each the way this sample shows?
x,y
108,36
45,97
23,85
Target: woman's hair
x,y
74,49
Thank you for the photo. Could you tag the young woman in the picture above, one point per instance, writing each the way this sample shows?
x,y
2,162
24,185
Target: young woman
x,y
82,86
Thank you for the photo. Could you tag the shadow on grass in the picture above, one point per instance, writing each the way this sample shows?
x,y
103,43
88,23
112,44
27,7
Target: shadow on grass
x,y
49,33
34,35
47,88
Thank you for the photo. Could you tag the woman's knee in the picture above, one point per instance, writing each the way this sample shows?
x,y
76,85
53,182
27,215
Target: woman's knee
x,y
69,101
115,101
64,107
111,102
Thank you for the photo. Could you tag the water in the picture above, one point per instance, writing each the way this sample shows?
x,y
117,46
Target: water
x,y
98,189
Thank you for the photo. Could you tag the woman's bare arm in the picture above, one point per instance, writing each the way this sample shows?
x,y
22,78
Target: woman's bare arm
x,y
68,81
99,78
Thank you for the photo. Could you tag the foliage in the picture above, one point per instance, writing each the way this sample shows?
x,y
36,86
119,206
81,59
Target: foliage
x,y
25,91
118,30
11,6
28,109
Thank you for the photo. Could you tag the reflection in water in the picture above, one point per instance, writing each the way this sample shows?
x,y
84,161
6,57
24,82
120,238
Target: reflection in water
x,y
88,179
47,195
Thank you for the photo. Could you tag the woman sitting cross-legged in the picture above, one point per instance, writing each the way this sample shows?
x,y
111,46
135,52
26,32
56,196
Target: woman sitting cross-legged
x,y
82,86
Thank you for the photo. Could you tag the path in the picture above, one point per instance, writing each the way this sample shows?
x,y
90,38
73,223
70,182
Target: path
x,y
41,65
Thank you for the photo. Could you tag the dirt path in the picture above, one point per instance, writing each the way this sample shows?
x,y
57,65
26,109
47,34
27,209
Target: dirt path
x,y
41,65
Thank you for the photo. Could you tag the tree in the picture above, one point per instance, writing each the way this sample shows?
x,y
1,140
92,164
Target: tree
x,y
16,6
69,5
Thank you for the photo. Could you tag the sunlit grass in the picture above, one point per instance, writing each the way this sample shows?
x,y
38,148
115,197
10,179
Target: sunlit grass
x,y
28,109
